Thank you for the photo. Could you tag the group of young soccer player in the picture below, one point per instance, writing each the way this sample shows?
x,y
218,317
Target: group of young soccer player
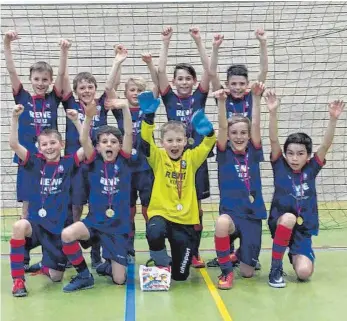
x,y
108,167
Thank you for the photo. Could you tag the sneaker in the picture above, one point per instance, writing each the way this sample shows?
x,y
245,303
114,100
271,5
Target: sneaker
x,y
104,269
130,258
79,282
276,279
33,268
258,266
18,289
198,262
225,282
213,263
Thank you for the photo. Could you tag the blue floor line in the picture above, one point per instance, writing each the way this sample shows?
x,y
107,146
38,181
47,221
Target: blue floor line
x,y
130,295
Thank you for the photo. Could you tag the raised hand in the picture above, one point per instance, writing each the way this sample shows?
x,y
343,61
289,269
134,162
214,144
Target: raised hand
x,y
335,108
10,36
220,94
146,57
148,104
195,33
258,88
17,110
90,108
271,100
260,34
217,40
116,103
72,114
121,52
64,44
166,34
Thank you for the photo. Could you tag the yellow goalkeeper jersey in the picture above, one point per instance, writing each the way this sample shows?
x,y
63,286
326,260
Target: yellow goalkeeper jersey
x,y
165,199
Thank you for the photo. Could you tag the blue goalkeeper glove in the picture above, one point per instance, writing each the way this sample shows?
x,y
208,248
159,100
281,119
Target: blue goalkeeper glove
x,y
148,104
201,123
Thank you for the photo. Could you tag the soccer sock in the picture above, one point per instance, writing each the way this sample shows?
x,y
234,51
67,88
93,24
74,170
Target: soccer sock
x,y
222,245
95,252
17,258
133,228
280,243
74,254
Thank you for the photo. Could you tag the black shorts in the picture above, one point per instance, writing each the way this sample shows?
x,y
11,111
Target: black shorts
x,y
202,182
182,239
141,182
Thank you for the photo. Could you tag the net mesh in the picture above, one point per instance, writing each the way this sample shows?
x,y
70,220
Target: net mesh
x,y
307,68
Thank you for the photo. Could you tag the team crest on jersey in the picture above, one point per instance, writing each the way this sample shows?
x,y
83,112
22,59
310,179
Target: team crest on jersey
x,y
304,176
183,164
98,107
116,168
60,169
48,105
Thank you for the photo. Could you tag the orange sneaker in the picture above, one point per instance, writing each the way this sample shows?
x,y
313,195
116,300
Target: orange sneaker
x,y
198,262
18,288
225,282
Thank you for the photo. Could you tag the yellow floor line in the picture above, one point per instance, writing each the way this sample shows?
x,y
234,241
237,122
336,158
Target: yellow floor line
x,y
216,297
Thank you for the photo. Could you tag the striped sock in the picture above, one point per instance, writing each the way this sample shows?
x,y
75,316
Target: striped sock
x,y
17,258
73,252
280,244
222,245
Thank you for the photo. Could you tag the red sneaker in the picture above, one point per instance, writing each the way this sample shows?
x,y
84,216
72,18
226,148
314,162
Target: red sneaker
x,y
225,282
198,262
18,288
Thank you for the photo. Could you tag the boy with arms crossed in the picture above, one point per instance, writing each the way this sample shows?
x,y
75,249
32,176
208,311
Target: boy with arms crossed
x,y
242,208
173,209
294,210
181,106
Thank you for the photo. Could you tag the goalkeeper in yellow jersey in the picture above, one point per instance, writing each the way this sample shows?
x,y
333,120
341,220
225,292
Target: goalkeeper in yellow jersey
x,y
173,209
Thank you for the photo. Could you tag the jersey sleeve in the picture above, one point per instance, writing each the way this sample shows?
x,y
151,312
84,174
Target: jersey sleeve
x,y
149,147
315,165
200,152
21,95
168,97
69,102
258,154
56,96
32,162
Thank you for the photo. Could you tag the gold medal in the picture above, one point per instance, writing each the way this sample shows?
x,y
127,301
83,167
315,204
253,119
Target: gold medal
x,y
299,220
42,212
191,140
109,212
251,198
179,207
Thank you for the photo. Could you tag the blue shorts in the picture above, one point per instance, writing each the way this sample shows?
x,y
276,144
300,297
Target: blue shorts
x,y
202,182
52,247
23,184
141,182
80,186
114,245
300,242
249,232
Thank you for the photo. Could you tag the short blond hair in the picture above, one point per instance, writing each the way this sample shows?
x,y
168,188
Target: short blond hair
x,y
139,82
239,118
172,125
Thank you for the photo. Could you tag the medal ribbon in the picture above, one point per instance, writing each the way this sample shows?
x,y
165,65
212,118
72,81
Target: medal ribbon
x,y
38,125
298,207
245,176
178,179
43,195
109,194
189,117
